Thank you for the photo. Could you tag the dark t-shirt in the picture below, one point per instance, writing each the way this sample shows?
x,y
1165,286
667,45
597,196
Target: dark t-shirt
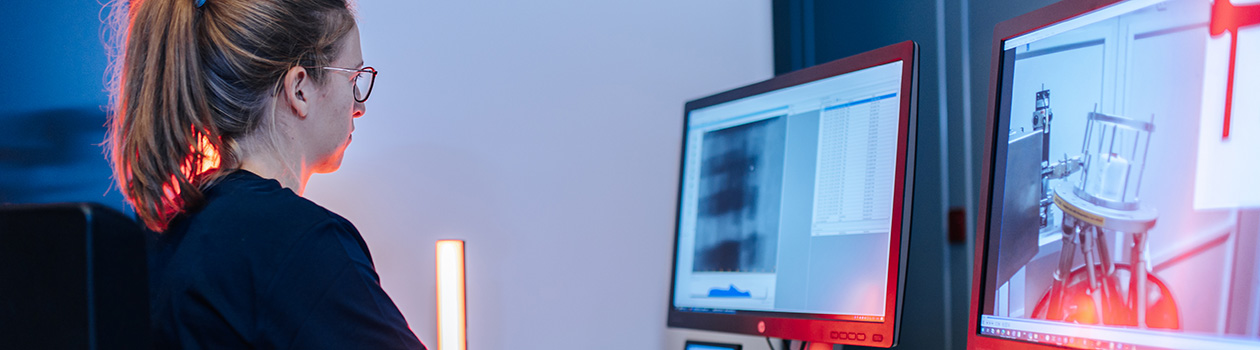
x,y
261,267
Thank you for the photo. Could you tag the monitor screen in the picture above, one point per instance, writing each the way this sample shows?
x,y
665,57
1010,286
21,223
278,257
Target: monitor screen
x,y
793,203
699,345
1122,206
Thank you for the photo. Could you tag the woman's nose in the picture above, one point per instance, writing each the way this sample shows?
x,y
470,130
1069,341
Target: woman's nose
x,y
360,109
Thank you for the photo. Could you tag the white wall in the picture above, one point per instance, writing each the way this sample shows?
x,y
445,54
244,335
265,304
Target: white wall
x,y
545,133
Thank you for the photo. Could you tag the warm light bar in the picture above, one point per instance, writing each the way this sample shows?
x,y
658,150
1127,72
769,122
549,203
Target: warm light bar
x,y
451,311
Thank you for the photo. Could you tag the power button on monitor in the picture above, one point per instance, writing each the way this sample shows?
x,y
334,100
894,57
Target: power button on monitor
x,y
877,337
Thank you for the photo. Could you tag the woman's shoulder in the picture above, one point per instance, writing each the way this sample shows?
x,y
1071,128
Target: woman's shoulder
x,y
251,215
253,248
247,200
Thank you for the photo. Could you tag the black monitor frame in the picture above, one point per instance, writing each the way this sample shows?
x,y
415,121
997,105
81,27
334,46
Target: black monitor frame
x,y
821,327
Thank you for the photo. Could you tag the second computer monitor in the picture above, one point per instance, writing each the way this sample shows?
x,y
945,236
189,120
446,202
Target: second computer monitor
x,y
794,205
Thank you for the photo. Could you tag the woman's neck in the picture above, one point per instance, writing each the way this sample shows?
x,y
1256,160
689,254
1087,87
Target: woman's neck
x,y
289,177
266,160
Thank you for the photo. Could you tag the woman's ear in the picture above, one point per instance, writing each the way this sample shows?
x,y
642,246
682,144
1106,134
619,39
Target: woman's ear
x,y
297,89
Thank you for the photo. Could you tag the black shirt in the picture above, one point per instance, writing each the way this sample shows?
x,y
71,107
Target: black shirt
x,y
260,267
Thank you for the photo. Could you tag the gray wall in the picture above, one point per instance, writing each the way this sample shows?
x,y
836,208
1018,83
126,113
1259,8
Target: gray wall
x,y
546,134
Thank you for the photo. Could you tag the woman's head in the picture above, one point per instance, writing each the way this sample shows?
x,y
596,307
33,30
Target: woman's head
x,y
319,114
194,80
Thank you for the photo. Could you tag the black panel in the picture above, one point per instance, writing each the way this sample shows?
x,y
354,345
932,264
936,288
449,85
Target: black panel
x,y
72,276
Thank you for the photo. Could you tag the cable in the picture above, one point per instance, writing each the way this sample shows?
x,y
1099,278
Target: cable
x,y
769,343
804,344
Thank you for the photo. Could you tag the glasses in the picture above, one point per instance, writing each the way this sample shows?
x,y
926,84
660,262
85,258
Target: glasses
x,y
364,78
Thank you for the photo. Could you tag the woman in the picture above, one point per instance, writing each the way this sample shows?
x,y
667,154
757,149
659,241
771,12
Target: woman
x,y
224,109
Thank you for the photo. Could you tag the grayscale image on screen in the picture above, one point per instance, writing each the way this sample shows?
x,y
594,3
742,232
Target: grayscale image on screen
x,y
741,179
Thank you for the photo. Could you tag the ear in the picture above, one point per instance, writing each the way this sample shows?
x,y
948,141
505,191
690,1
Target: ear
x,y
297,90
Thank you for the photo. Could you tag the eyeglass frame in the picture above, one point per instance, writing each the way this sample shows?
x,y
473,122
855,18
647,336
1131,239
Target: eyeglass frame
x,y
371,84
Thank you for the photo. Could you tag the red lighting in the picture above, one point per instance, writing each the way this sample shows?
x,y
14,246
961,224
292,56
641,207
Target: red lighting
x,y
208,153
1112,303
1227,17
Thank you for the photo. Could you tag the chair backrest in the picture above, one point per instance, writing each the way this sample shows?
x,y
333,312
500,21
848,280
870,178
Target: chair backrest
x,y
72,276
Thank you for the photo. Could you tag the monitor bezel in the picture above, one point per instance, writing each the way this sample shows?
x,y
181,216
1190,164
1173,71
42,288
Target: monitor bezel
x,y
1007,30
817,327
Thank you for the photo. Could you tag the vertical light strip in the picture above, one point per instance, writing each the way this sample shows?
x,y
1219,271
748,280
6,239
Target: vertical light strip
x,y
807,18
452,322
943,102
969,191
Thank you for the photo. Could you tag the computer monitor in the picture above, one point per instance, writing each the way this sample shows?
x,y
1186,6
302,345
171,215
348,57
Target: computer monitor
x,y
794,203
1121,203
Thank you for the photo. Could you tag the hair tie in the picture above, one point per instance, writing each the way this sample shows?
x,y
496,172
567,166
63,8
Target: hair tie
x,y
200,2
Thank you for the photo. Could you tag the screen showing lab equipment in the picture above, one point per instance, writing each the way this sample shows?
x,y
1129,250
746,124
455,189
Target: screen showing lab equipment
x,y
1124,201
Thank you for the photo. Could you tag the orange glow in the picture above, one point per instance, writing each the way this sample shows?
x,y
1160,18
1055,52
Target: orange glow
x,y
209,155
452,322
204,157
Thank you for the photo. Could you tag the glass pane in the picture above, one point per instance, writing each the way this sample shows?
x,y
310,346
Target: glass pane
x,y
362,85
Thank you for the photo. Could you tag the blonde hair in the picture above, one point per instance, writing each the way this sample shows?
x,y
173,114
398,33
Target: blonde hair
x,y
189,80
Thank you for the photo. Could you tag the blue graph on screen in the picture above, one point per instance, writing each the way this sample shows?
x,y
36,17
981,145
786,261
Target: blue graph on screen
x,y
708,347
731,292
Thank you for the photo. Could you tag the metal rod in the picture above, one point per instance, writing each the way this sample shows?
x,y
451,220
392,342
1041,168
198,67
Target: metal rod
x,y
1085,169
1104,254
1087,250
1111,144
1089,127
1146,151
1066,254
1108,272
1128,169
1139,277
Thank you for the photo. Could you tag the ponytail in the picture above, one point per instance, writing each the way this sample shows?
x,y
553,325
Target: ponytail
x,y
192,78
